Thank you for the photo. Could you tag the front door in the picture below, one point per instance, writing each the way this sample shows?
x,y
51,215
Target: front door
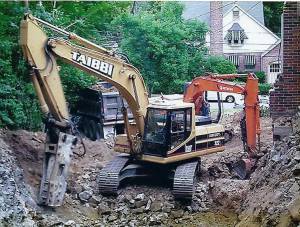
x,y
274,70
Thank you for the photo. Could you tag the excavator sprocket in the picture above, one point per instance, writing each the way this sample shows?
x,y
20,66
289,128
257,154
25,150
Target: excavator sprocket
x,y
185,180
109,176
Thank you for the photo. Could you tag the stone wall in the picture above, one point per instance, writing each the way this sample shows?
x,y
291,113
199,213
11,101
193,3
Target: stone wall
x,y
285,98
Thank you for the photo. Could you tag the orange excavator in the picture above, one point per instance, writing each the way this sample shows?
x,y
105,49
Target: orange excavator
x,y
250,134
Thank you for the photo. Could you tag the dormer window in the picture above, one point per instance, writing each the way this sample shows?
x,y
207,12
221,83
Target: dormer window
x,y
236,35
236,13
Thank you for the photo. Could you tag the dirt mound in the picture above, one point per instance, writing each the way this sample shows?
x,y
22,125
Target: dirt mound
x,y
275,186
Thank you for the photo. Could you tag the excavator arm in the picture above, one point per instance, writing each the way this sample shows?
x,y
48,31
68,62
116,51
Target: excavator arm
x,y
42,53
250,91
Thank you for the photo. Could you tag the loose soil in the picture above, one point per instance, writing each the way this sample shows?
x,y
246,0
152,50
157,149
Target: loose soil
x,y
221,198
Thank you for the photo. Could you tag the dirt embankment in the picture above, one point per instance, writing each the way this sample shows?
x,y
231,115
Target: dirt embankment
x,y
221,199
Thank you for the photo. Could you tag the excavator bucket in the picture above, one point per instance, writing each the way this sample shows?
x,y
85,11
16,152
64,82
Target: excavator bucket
x,y
243,167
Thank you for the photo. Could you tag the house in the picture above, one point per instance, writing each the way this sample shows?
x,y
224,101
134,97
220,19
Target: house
x,y
285,98
237,31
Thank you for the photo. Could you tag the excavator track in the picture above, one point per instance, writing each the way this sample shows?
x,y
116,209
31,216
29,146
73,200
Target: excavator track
x,y
109,176
185,180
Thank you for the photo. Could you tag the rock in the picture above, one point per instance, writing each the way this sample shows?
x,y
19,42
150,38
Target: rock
x,y
154,220
276,158
297,156
155,206
85,195
296,169
69,223
140,197
177,213
103,209
128,197
294,209
189,208
76,188
112,218
121,198
229,193
148,205
85,176
140,203
294,189
264,149
167,207
95,199
139,210
99,165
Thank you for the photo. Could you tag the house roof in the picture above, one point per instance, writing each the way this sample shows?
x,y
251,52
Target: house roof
x,y
253,18
272,47
236,27
201,10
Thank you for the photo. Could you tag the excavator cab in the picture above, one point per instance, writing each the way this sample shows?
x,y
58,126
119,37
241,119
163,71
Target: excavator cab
x,y
165,129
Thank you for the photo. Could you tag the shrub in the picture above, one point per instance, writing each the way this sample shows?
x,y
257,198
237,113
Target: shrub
x,y
220,65
264,88
261,76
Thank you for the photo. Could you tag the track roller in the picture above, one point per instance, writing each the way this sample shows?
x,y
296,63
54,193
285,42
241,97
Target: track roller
x,y
185,180
109,176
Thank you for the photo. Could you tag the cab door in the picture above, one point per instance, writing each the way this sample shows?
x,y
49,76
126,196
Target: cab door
x,y
180,126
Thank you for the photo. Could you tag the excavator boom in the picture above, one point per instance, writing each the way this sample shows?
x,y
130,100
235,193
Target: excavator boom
x,y
41,53
250,91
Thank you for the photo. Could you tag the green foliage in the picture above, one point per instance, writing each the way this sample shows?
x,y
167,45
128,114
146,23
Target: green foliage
x,y
219,65
264,88
272,13
18,103
261,75
167,49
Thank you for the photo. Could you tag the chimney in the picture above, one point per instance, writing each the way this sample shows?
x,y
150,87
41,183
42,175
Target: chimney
x,y
216,28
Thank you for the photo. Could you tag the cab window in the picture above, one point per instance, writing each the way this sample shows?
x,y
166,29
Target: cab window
x,y
178,124
177,121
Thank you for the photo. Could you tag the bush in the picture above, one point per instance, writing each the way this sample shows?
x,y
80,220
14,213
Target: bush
x,y
261,76
220,65
264,88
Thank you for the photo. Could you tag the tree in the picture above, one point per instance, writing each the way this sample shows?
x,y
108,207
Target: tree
x,y
18,103
272,12
167,49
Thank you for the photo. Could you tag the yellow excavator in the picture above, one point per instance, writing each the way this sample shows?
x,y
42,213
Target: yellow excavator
x,y
165,137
